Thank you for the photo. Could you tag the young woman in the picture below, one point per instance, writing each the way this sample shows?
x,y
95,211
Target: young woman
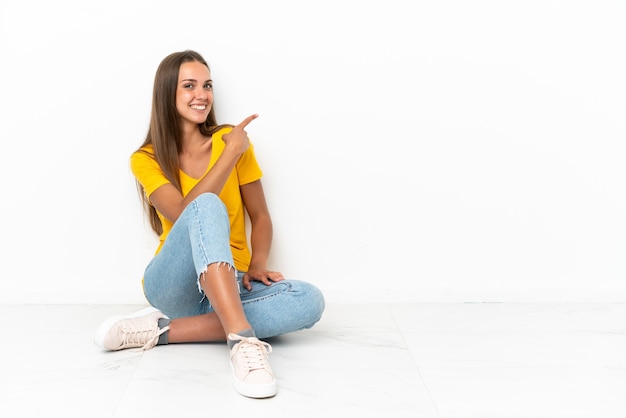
x,y
205,283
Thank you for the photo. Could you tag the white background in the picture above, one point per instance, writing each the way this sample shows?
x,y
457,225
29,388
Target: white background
x,y
436,151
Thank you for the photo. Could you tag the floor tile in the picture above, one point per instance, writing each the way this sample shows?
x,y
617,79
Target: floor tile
x,y
527,392
400,360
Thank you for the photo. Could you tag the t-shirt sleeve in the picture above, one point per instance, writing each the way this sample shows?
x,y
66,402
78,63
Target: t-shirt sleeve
x,y
248,169
147,172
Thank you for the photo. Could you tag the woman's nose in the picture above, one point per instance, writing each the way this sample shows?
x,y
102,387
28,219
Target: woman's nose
x,y
200,93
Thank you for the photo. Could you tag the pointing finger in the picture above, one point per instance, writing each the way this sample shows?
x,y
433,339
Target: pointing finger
x,y
247,120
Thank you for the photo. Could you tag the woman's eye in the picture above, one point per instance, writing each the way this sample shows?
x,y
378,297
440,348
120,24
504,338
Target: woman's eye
x,y
188,86
208,86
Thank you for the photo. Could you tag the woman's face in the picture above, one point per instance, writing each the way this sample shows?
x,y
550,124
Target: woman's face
x,y
194,92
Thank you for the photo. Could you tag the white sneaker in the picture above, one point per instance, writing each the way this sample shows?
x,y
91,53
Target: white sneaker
x,y
139,329
249,362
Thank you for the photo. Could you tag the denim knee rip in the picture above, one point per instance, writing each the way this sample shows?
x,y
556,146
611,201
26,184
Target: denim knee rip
x,y
203,273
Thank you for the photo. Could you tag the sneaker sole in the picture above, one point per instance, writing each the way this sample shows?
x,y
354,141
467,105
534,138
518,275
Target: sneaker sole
x,y
104,328
253,390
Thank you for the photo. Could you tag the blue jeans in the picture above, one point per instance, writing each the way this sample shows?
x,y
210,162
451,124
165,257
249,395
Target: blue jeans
x,y
200,237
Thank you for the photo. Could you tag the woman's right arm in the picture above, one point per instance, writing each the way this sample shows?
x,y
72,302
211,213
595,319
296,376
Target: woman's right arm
x,y
169,201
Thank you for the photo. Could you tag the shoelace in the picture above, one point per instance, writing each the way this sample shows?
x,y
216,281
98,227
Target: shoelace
x,y
137,336
253,351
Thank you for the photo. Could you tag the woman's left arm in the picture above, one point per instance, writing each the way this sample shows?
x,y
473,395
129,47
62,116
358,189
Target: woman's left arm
x,y
260,235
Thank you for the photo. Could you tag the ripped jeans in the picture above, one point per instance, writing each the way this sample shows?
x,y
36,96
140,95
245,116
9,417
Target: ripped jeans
x,y
200,237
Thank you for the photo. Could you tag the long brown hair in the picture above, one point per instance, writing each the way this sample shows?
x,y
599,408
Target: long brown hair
x,y
164,132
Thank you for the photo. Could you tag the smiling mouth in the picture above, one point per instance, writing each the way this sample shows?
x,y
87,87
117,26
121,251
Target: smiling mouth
x,y
198,107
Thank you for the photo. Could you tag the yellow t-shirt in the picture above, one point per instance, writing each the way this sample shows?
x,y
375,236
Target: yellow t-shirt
x,y
151,177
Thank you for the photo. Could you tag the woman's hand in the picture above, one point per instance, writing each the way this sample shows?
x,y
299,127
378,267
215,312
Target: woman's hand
x,y
237,138
261,275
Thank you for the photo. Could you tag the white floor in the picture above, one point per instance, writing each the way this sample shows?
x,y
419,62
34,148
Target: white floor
x,y
406,360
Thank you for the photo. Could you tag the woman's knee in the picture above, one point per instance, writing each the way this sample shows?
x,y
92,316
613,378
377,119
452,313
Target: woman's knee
x,y
207,197
210,201
285,306
310,298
